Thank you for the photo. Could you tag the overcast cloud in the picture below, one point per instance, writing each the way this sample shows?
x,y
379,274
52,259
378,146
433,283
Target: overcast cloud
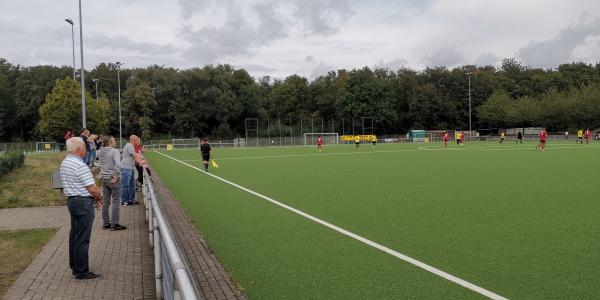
x,y
306,37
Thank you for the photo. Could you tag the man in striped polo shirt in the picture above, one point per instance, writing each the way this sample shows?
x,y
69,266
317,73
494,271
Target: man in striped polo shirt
x,y
83,195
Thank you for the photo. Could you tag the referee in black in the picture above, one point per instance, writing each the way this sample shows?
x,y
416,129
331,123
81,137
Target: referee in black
x,y
205,150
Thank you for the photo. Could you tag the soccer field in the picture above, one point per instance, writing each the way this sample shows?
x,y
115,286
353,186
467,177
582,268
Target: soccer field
x,y
505,218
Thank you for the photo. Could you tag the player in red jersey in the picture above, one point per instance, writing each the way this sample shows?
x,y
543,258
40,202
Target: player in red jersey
x,y
587,135
542,136
446,139
462,137
320,143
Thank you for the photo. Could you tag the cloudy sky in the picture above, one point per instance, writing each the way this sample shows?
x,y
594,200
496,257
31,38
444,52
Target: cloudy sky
x,y
306,37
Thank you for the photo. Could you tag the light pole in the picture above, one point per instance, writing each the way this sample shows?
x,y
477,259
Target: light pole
x,y
119,64
96,82
469,74
82,75
73,40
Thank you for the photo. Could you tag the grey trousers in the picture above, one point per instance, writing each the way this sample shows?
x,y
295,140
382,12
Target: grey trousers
x,y
112,196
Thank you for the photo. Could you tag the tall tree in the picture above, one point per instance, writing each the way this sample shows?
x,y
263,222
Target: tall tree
x,y
61,111
364,95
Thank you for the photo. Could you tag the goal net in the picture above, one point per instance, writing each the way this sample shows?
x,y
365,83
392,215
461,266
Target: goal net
x,y
186,143
47,147
328,138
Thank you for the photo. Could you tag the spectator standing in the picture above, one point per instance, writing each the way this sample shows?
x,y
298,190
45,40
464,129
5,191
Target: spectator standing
x,y
110,170
128,160
140,170
92,142
100,142
68,135
85,137
82,195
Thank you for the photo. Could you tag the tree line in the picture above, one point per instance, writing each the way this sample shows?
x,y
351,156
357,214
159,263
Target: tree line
x,y
36,102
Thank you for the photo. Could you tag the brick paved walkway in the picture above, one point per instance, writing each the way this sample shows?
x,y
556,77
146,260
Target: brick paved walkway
x,y
122,257
208,275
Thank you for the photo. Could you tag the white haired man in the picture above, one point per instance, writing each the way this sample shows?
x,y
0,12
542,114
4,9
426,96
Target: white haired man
x,y
82,195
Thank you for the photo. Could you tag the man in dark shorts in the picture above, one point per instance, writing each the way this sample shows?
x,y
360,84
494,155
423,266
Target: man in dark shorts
x,y
205,150
519,137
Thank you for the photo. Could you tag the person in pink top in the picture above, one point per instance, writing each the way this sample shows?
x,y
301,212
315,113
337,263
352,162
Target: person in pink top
x,y
446,139
320,143
543,134
587,135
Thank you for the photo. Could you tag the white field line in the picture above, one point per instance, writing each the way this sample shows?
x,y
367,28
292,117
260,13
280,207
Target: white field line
x,y
357,237
483,148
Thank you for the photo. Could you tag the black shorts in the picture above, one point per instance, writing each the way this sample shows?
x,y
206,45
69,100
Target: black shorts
x,y
205,157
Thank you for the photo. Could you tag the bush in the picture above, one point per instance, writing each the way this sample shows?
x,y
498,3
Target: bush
x,y
10,161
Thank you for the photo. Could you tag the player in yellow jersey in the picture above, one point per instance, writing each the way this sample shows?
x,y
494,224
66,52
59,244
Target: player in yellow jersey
x,y
502,136
357,140
579,137
374,140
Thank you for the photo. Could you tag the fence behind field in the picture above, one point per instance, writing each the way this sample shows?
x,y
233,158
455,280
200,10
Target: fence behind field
x,y
25,147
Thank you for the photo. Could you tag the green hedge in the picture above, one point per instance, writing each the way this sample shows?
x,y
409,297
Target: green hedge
x,y
10,161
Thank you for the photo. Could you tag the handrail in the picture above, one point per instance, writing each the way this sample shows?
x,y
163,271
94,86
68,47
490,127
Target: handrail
x,y
165,251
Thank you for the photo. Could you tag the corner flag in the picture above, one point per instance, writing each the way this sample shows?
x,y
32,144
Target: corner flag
x,y
214,163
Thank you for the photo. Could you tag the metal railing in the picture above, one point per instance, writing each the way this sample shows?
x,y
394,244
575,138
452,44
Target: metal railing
x,y
172,278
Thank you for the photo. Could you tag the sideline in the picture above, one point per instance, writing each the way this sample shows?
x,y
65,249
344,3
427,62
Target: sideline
x,y
357,237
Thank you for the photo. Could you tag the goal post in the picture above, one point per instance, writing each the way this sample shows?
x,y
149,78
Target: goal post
x,y
186,143
310,138
47,147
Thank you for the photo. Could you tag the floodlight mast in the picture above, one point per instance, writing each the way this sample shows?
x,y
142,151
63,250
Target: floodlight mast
x,y
73,42
119,64
82,75
469,74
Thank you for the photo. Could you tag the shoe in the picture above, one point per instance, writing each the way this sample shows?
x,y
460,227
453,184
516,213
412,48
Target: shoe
x,y
88,275
134,203
125,203
106,226
118,227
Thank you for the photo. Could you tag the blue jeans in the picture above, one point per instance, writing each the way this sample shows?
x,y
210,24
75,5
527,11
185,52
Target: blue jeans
x,y
82,216
92,158
128,186
86,159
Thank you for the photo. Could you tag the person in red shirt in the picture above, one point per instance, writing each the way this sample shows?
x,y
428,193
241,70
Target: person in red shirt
x,y
320,143
139,149
446,139
68,135
542,136
587,135
462,137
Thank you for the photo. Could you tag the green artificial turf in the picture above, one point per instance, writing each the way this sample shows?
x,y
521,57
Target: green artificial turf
x,y
519,222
